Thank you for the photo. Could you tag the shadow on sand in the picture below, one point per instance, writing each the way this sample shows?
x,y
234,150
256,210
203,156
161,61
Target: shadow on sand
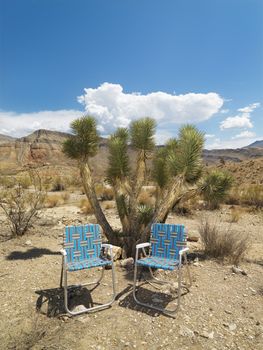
x,y
51,301
30,254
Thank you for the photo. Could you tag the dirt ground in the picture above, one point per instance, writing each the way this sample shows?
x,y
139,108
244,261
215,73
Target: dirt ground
x,y
222,310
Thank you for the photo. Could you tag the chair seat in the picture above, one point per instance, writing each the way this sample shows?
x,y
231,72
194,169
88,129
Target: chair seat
x,y
85,264
158,263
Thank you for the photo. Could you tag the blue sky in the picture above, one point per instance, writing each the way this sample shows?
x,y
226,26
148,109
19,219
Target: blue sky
x,y
177,61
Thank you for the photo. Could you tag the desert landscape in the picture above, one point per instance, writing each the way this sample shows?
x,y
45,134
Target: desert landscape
x,y
222,310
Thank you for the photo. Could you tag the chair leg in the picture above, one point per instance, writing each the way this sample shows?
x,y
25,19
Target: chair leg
x,y
94,308
167,312
61,275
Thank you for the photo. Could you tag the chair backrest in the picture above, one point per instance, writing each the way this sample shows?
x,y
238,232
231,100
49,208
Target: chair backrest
x,y
167,240
82,242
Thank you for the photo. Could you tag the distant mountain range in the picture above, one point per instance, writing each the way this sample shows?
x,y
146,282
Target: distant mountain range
x,y
44,148
256,144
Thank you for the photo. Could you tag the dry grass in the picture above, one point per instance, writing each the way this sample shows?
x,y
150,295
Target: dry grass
x,y
65,197
221,242
235,215
85,206
146,198
105,193
109,205
250,195
52,201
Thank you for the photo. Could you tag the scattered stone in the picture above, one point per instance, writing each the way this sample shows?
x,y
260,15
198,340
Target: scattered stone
x,y
238,270
156,300
79,308
116,251
174,287
186,332
228,312
127,263
193,236
232,327
208,335
253,290
28,242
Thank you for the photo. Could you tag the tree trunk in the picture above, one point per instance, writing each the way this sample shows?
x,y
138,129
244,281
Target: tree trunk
x,y
89,188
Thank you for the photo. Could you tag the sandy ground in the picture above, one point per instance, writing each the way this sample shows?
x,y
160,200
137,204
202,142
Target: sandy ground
x,y
223,310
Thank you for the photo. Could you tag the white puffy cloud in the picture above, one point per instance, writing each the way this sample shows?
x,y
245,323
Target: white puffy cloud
x,y
244,134
209,136
233,143
114,108
241,120
249,108
21,124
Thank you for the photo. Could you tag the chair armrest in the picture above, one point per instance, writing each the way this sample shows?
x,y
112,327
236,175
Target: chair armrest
x,y
143,245
183,251
108,246
63,252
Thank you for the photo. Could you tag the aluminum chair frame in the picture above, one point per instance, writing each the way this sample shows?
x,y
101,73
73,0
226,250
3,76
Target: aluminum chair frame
x,y
64,278
178,267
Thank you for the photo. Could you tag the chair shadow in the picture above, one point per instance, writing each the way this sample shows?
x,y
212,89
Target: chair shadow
x,y
51,301
147,296
31,253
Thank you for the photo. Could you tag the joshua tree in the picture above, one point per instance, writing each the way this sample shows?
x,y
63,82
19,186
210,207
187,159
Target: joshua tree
x,y
176,170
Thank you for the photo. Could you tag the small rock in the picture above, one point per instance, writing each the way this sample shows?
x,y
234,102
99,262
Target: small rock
x,y
253,290
228,312
193,236
208,335
79,308
232,327
238,270
127,263
186,332
28,242
156,300
116,251
174,287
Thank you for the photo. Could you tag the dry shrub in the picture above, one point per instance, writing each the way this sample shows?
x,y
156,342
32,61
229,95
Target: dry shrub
x,y
234,196
20,207
105,193
221,242
85,206
145,198
235,215
7,182
65,196
24,181
73,181
52,201
253,195
58,185
109,205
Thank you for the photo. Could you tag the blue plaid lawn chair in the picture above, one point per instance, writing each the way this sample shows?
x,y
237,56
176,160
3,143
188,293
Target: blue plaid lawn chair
x,y
167,248
82,249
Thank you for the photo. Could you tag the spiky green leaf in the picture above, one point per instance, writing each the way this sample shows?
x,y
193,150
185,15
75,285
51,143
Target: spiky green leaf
x,y
83,143
118,156
142,134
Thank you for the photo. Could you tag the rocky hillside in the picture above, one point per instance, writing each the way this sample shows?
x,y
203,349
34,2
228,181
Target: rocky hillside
x,y
5,138
43,149
256,144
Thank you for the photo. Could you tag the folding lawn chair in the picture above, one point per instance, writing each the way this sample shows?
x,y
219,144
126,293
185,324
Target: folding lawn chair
x,y
167,248
82,249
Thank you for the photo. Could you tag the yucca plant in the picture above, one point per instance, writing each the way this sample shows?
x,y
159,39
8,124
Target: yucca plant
x,y
215,187
176,170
